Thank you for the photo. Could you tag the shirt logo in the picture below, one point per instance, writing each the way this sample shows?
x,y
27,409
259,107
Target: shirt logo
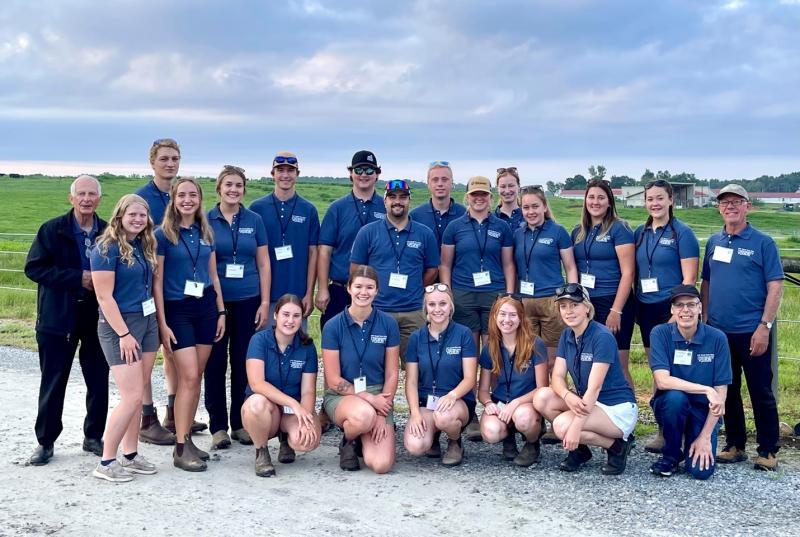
x,y
413,244
666,242
297,364
299,219
379,216
453,350
495,234
380,340
705,358
246,230
586,356
546,241
745,252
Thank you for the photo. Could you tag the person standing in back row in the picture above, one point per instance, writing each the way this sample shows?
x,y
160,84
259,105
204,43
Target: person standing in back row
x,y
441,209
741,293
508,189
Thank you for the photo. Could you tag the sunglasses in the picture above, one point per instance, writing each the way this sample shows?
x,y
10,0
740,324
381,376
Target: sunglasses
x,y
436,287
397,184
162,141
284,160
570,289
359,170
502,171
439,164
234,168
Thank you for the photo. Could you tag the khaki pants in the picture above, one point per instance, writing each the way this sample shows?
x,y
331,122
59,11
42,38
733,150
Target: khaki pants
x,y
408,321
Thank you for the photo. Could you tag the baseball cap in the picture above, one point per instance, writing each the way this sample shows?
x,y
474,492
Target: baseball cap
x,y
733,188
572,291
684,290
397,184
365,158
479,184
285,158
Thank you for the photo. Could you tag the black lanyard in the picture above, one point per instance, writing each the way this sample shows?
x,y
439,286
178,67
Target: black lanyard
x,y
507,372
188,251
442,343
529,252
651,253
235,235
145,266
399,256
362,352
577,363
587,246
363,221
283,226
163,197
438,218
478,239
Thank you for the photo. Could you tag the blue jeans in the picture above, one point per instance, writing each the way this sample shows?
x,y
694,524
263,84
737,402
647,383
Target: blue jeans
x,y
682,416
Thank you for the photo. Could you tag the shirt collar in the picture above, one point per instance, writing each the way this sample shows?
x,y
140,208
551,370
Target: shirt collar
x,y
697,339
545,225
272,341
76,227
351,321
745,233
391,227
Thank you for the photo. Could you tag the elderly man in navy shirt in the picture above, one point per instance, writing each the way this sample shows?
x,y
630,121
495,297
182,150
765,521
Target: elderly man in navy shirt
x,y
741,290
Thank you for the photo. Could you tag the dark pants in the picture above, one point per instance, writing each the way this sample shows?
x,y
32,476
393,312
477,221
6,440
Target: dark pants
x,y
55,362
239,328
682,417
758,374
340,299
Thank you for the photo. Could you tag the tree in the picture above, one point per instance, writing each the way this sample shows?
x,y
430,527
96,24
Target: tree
x,y
684,177
597,172
575,183
618,181
647,176
665,175
553,187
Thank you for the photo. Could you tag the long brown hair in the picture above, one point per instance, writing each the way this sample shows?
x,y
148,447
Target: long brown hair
x,y
660,183
115,234
289,298
539,193
610,217
172,218
525,336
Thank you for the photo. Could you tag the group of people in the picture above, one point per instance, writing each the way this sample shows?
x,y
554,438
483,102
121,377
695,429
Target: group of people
x,y
499,306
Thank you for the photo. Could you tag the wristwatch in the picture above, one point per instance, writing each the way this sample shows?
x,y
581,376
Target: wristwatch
x,y
768,324
220,313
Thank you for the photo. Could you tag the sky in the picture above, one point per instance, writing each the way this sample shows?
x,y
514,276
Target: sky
x,y
706,87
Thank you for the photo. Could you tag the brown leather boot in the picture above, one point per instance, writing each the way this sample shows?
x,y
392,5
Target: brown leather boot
x,y
152,432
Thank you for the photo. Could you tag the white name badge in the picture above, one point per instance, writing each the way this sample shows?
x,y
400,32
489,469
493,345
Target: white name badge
x,y
287,409
526,288
587,280
649,285
398,280
283,252
148,307
682,357
234,271
360,384
481,278
432,402
500,405
193,288
723,254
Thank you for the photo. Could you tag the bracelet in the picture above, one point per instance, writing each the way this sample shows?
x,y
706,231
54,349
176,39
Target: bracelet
x,y
220,313
615,311
125,334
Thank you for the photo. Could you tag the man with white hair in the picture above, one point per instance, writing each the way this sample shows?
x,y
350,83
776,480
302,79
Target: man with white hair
x,y
58,262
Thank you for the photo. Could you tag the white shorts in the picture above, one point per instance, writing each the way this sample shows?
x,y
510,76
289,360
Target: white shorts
x,y
623,415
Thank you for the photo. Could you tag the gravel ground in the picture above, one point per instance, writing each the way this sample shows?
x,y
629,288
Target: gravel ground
x,y
313,497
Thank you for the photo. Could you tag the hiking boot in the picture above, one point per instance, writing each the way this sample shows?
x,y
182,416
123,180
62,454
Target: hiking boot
x,y
169,420
473,431
220,440
454,453
510,450
264,466
348,460
576,458
286,454
242,436
548,437
528,455
664,467
41,455
187,461
435,451
617,456
199,453
767,461
93,445
656,444
731,454
198,426
113,472
139,465
152,432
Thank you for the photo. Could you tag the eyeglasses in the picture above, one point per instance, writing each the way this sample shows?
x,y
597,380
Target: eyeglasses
x,y
512,170
439,164
436,287
359,170
280,159
660,183
234,168
732,203
164,141
691,306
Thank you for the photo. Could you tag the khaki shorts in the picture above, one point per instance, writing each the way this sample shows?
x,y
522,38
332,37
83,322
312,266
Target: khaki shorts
x,y
331,399
545,317
407,321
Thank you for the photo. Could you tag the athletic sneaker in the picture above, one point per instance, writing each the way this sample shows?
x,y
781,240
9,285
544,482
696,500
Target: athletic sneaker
x,y
113,472
139,465
664,467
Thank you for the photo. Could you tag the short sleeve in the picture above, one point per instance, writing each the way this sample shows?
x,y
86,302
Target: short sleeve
x,y
468,349
392,332
360,252
412,349
508,236
257,349
313,227
330,226
331,336
723,374
449,237
162,243
485,360
107,262
561,350
706,272
261,232
604,349
311,358
539,352
687,243
621,234
660,347
432,258
562,239
773,270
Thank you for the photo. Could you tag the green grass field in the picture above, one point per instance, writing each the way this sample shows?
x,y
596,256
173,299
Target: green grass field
x,y
30,201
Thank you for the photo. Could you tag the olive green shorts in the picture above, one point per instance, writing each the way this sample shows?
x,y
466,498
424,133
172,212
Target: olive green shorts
x,y
331,400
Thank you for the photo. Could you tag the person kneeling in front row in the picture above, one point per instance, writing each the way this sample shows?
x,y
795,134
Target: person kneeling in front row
x,y
281,392
603,412
691,365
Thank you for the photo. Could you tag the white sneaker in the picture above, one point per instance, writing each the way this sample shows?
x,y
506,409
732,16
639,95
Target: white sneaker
x,y
139,465
113,472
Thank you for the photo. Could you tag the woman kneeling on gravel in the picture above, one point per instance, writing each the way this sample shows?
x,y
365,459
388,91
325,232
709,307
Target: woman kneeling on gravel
x,y
361,353
513,365
603,412
281,392
441,364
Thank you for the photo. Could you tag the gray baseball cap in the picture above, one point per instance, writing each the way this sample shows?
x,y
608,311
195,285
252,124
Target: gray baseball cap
x,y
733,188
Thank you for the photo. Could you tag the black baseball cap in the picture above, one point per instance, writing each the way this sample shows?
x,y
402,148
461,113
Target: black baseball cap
x,y
572,291
684,290
365,158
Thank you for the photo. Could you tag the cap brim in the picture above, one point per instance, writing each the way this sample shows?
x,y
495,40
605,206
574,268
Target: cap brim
x,y
569,297
371,165
479,189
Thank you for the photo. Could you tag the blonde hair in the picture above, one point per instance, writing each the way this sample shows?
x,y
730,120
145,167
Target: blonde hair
x,y
230,170
450,299
115,233
163,142
539,193
525,337
172,218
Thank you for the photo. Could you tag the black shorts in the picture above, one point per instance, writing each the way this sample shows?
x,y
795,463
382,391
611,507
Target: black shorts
x,y
193,321
471,415
648,316
602,307
473,307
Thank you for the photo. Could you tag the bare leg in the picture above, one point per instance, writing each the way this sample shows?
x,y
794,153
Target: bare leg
x,y
379,457
416,445
129,382
355,416
260,418
493,429
291,426
188,393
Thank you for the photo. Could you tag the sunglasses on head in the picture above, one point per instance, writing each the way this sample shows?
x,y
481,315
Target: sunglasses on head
x,y
284,160
569,289
234,168
511,169
436,287
363,170
513,296
161,141
439,164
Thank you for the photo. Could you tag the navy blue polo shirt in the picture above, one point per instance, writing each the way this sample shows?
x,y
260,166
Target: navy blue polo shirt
x,y
512,383
597,255
711,356
294,222
738,290
284,370
187,260
133,284
515,221
537,255
362,349
84,240
247,233
345,217
441,359
156,199
470,239
435,219
408,251
596,345
659,255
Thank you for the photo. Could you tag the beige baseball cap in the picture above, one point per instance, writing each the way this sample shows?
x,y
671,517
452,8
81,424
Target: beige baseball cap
x,y
479,183
733,188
